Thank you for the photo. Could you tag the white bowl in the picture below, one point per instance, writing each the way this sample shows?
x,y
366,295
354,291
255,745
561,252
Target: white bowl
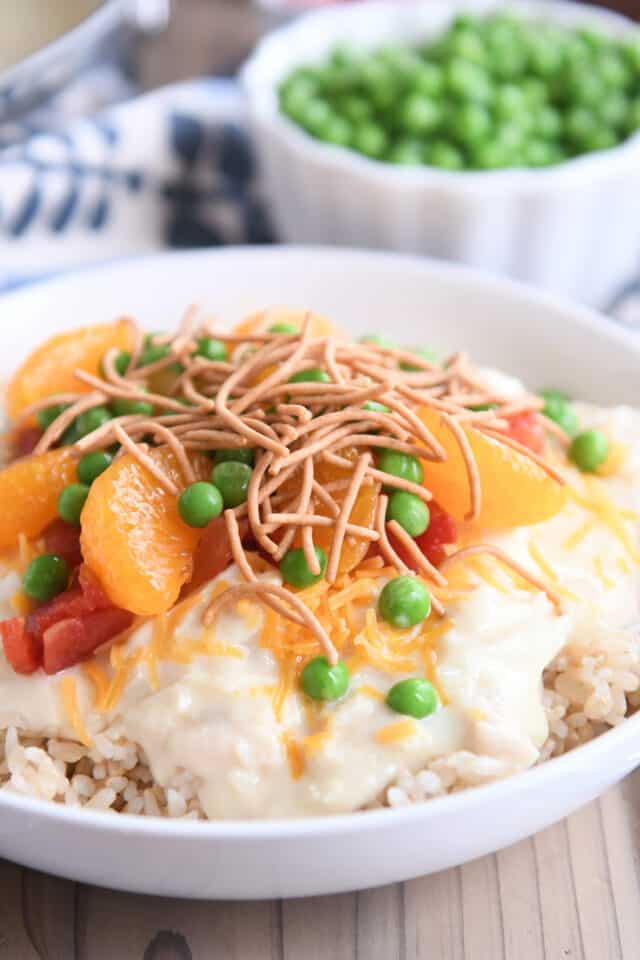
x,y
536,337
572,228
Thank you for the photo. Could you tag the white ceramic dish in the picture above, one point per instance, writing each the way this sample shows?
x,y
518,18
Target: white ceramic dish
x,y
535,337
572,228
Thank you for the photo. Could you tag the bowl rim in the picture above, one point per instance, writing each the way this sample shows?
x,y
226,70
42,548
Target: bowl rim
x,y
99,21
568,175
550,771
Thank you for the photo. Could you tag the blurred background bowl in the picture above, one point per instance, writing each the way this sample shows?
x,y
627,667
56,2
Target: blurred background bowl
x,y
573,228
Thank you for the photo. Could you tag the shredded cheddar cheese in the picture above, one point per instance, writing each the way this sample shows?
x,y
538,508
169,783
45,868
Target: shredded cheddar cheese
x,y
607,582
71,707
547,571
596,501
94,672
370,691
21,603
295,756
395,732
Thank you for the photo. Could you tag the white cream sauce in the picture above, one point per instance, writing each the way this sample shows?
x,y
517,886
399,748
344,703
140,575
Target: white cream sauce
x,y
213,718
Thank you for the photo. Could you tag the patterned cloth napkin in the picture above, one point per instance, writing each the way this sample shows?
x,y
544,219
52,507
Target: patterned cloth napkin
x,y
173,168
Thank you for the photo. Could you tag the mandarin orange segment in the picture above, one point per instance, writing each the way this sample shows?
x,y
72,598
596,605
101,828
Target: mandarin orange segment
x,y
50,368
133,538
515,490
353,551
29,490
260,322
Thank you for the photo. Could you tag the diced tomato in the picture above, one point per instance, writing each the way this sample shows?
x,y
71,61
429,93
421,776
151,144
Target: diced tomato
x,y
64,630
527,430
213,553
442,530
22,649
69,641
63,539
24,441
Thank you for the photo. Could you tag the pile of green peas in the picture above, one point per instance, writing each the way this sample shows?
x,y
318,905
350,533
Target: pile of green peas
x,y
490,93
589,449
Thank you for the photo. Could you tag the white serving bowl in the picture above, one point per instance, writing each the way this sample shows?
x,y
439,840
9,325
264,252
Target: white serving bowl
x,y
525,332
573,228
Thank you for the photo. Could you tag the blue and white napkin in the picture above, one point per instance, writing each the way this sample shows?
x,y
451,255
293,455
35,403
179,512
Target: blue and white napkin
x,y
170,169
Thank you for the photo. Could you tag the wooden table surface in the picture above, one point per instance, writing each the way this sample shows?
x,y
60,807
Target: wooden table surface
x,y
569,893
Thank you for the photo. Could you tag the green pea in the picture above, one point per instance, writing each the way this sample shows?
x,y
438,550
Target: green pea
x,y
121,363
371,140
538,153
580,124
428,80
468,81
547,122
91,420
47,416
378,340
320,681
492,155
468,45
409,511
92,465
71,435
232,480
295,569
199,504
400,465
471,123
338,131
313,375
633,117
510,101
613,70
601,139
211,349
375,407
316,115
413,697
237,455
614,110
558,408
124,407
356,109
45,577
445,156
589,450
426,353
419,114
404,602
407,153
71,501
284,328
152,352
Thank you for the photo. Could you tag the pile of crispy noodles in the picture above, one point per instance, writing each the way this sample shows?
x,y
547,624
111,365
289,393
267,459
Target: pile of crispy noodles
x,y
247,401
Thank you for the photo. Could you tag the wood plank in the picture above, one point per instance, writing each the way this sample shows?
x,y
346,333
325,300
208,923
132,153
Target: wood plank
x,y
560,925
481,910
521,913
319,928
433,917
380,916
49,913
620,812
15,942
157,928
592,883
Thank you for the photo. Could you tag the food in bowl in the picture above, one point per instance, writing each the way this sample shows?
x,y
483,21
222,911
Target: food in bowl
x,y
490,92
277,573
